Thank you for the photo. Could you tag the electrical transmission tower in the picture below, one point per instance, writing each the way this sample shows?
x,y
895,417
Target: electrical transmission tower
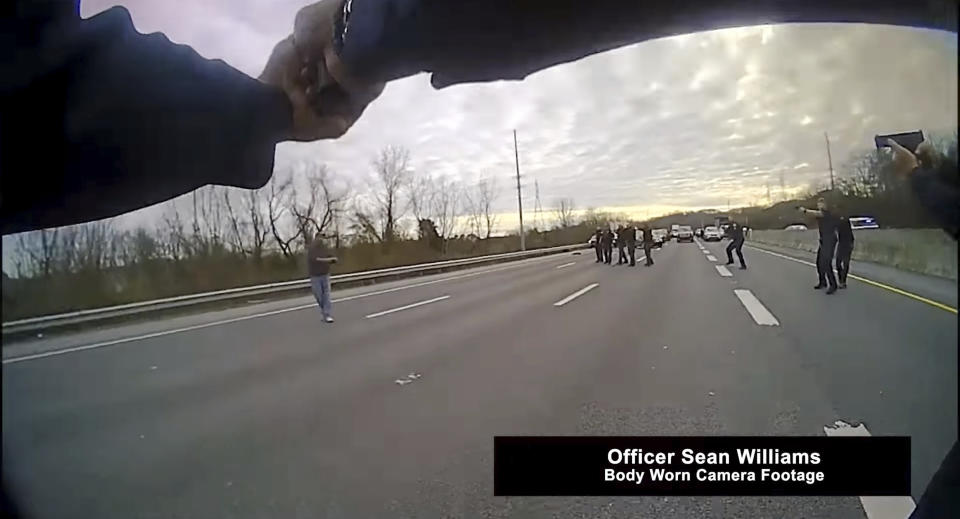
x,y
537,207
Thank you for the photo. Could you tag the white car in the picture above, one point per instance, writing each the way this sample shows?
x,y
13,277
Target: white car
x,y
661,235
684,233
795,227
863,222
711,233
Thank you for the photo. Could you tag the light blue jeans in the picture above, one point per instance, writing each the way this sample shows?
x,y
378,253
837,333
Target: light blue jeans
x,y
321,291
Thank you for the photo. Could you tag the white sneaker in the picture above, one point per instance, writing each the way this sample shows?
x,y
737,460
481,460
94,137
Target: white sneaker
x,y
328,319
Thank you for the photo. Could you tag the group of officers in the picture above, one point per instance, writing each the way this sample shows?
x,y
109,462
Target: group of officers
x,y
836,236
625,240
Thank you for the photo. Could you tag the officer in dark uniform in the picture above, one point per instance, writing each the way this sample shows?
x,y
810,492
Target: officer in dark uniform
x,y
598,244
844,249
621,245
648,244
826,221
630,239
607,246
735,232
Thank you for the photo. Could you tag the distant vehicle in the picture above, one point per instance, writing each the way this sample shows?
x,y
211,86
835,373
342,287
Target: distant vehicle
x,y
698,231
795,227
859,223
711,233
674,230
684,233
660,236
723,231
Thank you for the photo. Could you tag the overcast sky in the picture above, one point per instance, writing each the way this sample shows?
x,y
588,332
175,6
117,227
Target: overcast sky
x,y
684,122
692,121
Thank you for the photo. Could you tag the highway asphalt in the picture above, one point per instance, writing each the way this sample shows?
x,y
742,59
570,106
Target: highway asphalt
x,y
391,411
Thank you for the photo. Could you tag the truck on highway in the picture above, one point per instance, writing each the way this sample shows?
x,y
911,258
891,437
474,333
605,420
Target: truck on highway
x,y
674,230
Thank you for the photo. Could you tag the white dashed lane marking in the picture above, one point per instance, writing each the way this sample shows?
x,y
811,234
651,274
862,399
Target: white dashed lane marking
x,y
576,294
760,314
711,258
124,340
876,507
566,264
722,270
406,307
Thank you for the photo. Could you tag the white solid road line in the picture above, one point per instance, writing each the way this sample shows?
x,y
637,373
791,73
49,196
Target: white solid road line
x,y
123,340
151,335
722,270
566,264
876,507
756,309
406,307
576,294
877,284
711,258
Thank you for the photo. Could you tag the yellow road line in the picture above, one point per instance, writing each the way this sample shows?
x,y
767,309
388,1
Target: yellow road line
x,y
905,293
869,282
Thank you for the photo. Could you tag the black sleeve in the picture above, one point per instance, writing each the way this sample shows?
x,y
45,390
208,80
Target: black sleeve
x,y
98,119
939,197
485,40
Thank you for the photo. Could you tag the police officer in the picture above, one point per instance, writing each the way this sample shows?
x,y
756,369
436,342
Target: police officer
x,y
630,237
597,244
844,249
826,222
735,232
621,245
648,244
607,246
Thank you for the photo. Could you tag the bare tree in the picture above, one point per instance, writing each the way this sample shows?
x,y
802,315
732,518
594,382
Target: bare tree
x,y
207,222
145,247
487,194
324,203
238,227
278,202
420,195
37,253
93,246
392,169
172,234
564,212
478,205
445,208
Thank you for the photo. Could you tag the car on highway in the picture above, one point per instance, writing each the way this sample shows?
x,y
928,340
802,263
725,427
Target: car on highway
x,y
859,223
660,236
711,233
795,227
684,233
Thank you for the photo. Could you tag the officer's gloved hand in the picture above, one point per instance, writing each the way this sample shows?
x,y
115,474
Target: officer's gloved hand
x,y
325,97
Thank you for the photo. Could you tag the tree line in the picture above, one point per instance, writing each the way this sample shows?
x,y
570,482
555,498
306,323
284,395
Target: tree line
x,y
219,237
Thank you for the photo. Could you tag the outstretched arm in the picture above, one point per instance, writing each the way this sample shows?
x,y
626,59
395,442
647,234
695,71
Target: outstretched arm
x,y
486,40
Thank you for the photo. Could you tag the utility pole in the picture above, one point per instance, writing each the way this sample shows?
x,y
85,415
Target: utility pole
x,y
829,159
516,156
768,192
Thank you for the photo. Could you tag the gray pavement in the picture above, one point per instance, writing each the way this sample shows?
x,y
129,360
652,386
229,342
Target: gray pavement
x,y
248,415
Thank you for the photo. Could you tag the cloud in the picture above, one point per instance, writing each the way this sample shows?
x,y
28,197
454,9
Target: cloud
x,y
684,121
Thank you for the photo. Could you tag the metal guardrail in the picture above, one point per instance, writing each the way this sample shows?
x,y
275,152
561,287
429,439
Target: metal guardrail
x,y
96,314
